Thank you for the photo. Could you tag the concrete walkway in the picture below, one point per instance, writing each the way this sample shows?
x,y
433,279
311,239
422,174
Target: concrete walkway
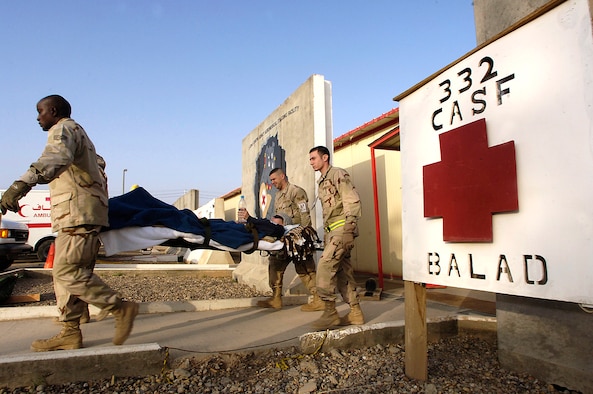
x,y
165,331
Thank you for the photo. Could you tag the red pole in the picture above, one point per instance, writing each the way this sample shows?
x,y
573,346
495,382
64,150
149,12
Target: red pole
x,y
377,219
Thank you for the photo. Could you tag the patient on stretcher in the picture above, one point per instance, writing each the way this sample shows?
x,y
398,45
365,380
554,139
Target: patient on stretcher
x,y
137,220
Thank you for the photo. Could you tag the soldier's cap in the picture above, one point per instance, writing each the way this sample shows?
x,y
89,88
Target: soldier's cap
x,y
287,220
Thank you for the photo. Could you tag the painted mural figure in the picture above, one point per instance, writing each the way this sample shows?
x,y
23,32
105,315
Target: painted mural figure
x,y
292,204
270,157
341,211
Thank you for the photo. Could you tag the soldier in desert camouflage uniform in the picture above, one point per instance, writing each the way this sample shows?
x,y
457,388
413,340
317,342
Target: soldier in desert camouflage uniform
x,y
78,191
341,211
292,203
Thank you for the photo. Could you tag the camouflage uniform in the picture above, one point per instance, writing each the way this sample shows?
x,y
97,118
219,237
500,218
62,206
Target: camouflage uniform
x,y
293,202
78,190
341,210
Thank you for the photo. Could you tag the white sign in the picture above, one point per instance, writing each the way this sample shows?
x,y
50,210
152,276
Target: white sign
x,y
497,165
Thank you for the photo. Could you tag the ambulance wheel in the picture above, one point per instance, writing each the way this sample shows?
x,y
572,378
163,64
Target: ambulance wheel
x,y
43,249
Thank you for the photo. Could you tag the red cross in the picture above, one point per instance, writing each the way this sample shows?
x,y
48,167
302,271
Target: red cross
x,y
470,183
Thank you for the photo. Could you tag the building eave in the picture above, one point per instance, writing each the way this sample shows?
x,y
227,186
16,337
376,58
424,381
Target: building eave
x,y
388,119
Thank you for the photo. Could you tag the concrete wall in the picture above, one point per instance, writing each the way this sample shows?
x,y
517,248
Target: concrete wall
x,y
494,16
283,140
190,200
550,340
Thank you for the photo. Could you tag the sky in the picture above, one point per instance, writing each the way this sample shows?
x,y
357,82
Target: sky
x,y
167,90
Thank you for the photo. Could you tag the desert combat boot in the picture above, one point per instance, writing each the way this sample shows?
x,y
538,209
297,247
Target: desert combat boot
x,y
124,321
355,316
273,302
329,318
68,339
315,305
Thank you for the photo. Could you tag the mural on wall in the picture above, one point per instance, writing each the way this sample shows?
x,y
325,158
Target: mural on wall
x,y
283,140
271,156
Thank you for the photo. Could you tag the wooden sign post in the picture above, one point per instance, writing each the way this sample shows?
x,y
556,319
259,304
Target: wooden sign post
x,y
416,340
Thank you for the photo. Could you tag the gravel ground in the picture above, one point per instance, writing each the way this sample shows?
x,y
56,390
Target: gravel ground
x,y
141,288
456,365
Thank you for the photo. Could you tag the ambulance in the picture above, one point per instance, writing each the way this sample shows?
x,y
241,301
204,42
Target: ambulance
x,y
35,212
13,242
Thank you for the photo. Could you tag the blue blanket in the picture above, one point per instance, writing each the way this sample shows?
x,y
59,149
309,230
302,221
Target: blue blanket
x,y
140,208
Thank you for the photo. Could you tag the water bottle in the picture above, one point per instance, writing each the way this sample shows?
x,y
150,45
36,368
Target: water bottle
x,y
242,206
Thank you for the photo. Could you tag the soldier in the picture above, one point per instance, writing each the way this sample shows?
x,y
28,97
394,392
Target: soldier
x,y
79,198
290,201
341,210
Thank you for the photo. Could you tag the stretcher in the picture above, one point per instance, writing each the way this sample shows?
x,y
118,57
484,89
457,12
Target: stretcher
x,y
137,220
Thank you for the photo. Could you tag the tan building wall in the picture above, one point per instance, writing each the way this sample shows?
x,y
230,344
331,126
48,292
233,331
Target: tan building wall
x,y
231,200
352,152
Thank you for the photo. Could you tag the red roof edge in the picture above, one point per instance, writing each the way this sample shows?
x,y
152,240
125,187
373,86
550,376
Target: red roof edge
x,y
338,141
231,194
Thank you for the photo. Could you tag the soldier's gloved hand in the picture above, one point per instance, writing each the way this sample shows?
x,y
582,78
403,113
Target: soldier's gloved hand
x,y
348,235
12,195
347,240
